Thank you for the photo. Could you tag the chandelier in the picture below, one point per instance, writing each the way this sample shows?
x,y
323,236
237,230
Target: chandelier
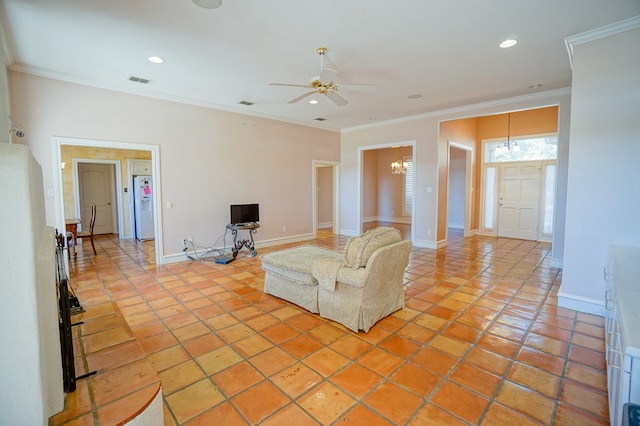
x,y
509,145
399,167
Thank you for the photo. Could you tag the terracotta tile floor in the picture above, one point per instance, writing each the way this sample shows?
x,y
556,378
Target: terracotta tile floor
x,y
481,341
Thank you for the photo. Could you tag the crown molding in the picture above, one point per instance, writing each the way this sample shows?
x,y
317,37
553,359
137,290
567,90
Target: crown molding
x,y
122,88
461,110
598,33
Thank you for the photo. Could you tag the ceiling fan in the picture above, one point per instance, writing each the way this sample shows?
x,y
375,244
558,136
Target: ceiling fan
x,y
325,84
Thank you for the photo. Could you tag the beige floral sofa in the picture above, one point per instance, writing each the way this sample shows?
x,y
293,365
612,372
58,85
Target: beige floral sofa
x,y
356,288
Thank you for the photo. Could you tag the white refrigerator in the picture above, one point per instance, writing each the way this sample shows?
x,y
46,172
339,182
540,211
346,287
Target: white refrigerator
x,y
143,207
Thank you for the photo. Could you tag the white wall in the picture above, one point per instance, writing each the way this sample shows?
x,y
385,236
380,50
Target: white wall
x,y
31,386
209,158
4,95
603,200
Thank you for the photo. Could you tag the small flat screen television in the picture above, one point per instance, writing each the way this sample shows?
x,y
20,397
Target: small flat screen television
x,y
245,213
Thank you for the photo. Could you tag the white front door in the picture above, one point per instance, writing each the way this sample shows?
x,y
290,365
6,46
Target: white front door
x,y
95,183
519,200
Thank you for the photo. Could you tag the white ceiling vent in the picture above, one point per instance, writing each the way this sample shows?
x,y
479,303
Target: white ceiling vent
x,y
138,79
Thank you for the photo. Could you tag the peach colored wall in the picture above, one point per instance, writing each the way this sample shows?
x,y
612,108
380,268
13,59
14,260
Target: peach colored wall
x,y
463,132
208,158
370,183
529,122
69,152
390,186
382,190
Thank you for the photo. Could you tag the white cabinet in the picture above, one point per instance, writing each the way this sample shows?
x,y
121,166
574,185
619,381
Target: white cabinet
x,y
622,328
140,167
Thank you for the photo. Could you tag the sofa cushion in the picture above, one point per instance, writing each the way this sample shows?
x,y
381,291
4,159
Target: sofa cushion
x,y
359,249
295,263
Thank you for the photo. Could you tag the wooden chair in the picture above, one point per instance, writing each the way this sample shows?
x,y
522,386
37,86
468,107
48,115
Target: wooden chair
x,y
89,233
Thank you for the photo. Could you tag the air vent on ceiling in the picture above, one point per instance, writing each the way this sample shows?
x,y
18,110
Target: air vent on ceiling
x,y
245,103
139,79
320,119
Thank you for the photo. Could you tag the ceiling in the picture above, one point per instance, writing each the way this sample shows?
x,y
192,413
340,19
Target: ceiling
x,y
445,53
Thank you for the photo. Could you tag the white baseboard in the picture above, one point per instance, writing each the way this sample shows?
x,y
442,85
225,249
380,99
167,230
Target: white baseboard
x,y
555,263
425,244
349,232
403,219
181,257
581,304
324,225
455,225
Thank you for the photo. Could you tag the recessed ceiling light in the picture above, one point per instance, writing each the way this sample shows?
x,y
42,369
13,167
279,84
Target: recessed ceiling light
x,y
508,43
313,101
156,59
208,4
415,96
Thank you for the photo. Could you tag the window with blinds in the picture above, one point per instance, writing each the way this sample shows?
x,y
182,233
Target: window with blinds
x,y
407,204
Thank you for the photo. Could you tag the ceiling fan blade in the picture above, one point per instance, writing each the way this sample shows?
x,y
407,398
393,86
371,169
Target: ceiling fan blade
x,y
289,85
356,87
301,97
336,98
327,75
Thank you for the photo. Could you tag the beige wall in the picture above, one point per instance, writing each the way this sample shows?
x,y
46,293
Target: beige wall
x,y
325,195
70,152
208,158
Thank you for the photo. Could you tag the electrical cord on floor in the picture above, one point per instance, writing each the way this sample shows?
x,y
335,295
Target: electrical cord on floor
x,y
193,252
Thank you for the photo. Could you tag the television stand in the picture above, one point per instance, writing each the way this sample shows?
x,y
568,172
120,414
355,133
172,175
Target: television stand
x,y
251,228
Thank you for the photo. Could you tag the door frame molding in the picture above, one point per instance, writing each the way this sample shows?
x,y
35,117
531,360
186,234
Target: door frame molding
x,y
58,192
118,188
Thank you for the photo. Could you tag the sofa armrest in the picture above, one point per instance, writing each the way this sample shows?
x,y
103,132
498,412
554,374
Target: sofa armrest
x,y
355,277
325,272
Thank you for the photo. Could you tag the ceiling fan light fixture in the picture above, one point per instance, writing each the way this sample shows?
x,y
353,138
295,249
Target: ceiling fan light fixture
x,y
208,4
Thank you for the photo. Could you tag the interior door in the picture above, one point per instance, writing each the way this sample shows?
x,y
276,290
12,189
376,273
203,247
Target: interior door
x,y
95,183
519,201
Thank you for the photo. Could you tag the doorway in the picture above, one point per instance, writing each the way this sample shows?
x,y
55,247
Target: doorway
x,y
459,189
387,196
325,184
96,184
58,191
